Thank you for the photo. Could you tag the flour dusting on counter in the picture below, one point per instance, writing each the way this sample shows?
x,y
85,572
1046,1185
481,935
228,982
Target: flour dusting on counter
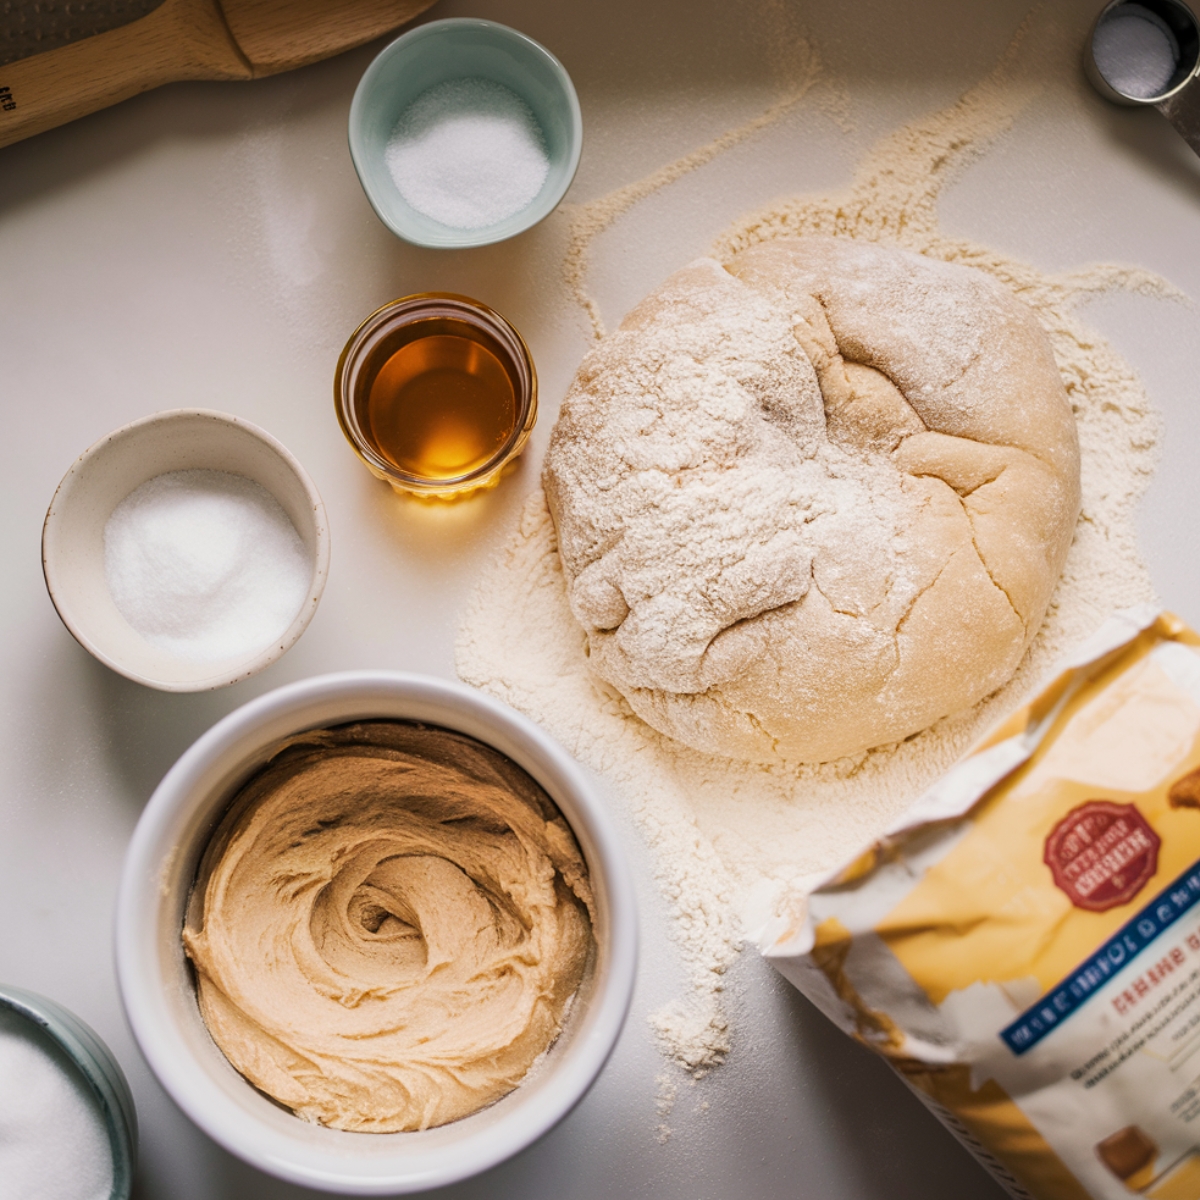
x,y
736,842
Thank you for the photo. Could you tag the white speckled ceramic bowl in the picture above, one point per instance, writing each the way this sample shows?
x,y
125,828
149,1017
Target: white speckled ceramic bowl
x,y
99,1069
73,536
157,985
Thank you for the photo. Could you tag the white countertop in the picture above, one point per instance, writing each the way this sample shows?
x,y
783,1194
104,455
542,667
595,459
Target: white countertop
x,y
208,244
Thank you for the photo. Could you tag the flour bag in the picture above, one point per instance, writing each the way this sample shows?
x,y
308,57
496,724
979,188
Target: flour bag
x,y
1024,945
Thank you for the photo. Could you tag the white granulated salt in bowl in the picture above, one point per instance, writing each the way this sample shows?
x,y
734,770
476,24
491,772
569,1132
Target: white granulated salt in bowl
x,y
54,1144
205,564
468,153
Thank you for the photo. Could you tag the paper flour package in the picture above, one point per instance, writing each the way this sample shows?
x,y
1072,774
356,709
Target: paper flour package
x,y
1024,947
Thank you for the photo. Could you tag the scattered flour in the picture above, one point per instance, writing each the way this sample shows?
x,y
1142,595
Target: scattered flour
x,y
737,843
53,1141
664,1104
800,70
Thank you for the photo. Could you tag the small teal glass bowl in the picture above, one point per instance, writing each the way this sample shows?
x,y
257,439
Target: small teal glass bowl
x,y
95,1062
462,48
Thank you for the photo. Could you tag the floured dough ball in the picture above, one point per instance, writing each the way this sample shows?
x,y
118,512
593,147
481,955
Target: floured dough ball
x,y
811,503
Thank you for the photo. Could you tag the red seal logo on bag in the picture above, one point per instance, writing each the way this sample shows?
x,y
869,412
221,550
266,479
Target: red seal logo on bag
x,y
1102,854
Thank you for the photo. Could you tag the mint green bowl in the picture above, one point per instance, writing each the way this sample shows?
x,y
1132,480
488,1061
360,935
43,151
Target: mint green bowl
x,y
462,48
95,1062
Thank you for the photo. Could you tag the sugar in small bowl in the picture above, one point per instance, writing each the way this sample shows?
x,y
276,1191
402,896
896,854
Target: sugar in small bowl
x,y
464,132
68,1127
187,550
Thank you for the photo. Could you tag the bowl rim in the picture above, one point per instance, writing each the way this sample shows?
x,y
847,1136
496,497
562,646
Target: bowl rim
x,y
137,924
466,238
250,665
99,1068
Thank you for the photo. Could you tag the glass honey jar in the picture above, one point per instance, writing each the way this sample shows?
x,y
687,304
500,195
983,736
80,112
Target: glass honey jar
x,y
437,393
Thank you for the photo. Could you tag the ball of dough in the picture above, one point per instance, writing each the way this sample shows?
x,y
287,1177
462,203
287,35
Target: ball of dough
x,y
811,502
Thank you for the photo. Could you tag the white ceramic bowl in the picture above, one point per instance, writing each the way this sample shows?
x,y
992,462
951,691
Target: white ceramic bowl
x,y
73,536
156,981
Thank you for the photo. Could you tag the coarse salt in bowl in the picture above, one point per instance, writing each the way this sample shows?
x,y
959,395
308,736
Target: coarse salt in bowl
x,y
481,125
157,982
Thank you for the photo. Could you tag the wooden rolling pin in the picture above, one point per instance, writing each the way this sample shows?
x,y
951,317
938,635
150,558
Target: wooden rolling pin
x,y
61,60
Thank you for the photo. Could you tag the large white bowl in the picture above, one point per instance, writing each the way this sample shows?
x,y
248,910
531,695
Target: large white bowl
x,y
157,985
103,475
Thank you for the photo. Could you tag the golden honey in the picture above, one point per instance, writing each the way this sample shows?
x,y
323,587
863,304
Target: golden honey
x,y
436,393
442,405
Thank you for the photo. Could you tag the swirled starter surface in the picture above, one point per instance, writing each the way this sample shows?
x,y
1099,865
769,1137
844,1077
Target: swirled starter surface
x,y
388,926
